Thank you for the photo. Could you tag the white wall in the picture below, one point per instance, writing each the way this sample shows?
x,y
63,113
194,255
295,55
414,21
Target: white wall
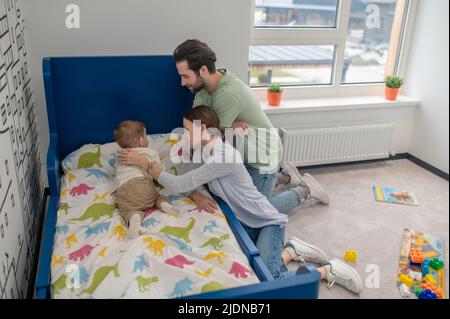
x,y
427,78
133,27
20,183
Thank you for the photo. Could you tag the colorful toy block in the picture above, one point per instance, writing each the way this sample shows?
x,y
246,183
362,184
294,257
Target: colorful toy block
x,y
427,294
416,256
404,279
404,291
430,279
350,256
414,275
425,267
436,263
418,291
439,293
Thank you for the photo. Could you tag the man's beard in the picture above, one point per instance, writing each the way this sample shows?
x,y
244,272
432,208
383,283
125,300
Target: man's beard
x,y
198,86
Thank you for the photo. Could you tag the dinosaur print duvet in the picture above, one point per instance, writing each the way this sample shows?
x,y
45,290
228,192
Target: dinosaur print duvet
x,y
173,257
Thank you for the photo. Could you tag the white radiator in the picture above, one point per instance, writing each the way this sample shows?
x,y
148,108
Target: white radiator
x,y
306,146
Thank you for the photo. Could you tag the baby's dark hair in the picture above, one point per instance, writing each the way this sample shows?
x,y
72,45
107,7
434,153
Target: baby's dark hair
x,y
127,133
207,116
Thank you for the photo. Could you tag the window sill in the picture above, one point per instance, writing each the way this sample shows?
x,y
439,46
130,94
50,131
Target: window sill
x,y
338,104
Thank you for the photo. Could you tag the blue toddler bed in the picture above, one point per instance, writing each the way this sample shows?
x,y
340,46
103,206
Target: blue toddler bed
x,y
86,97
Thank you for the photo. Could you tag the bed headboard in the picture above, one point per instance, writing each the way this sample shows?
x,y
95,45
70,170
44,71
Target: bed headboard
x,y
87,97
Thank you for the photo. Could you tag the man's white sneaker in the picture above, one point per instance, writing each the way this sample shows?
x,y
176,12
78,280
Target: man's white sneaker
x,y
304,252
315,190
296,178
342,274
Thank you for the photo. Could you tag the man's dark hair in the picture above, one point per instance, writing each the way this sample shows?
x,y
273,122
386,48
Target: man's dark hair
x,y
197,54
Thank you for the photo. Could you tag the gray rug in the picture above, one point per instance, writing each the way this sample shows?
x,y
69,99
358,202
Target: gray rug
x,y
355,221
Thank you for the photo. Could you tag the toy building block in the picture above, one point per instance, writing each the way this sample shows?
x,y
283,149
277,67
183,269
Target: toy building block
x,y
404,291
425,267
350,256
436,263
427,294
404,279
428,278
439,293
418,291
416,256
414,275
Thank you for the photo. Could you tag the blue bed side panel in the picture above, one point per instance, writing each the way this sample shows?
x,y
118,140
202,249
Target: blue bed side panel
x,y
86,98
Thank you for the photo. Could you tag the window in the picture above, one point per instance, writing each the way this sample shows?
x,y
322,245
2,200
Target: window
x,y
291,64
327,43
296,13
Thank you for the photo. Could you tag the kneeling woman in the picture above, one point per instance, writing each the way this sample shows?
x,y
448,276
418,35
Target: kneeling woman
x,y
230,180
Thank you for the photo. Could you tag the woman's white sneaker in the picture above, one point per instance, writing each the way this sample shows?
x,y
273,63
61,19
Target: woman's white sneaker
x,y
296,178
304,252
315,190
342,274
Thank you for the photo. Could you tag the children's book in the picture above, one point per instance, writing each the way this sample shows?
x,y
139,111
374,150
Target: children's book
x,y
395,196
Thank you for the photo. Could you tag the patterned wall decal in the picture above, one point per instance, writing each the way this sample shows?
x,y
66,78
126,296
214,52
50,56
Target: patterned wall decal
x,y
21,184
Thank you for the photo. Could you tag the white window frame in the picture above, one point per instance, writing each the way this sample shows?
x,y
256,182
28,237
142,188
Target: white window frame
x,y
336,36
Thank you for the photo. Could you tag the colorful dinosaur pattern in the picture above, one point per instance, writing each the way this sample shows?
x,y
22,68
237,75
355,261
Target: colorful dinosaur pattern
x,y
81,253
64,207
81,189
120,232
156,245
179,261
181,244
220,256
88,159
71,239
239,271
96,229
143,283
95,211
97,173
99,276
205,273
62,229
210,226
140,263
215,242
181,288
212,286
179,232
150,222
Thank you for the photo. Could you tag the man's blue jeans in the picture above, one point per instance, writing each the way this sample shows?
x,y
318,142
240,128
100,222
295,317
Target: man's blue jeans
x,y
265,183
270,242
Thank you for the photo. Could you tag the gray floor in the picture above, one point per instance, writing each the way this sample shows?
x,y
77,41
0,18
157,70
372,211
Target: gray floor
x,y
355,221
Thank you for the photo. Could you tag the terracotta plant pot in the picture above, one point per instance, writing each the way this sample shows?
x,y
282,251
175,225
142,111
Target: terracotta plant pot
x,y
274,98
391,93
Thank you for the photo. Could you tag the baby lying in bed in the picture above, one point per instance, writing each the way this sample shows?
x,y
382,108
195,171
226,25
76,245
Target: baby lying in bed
x,y
134,189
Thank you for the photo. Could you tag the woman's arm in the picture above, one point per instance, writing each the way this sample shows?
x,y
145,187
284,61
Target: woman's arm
x,y
193,179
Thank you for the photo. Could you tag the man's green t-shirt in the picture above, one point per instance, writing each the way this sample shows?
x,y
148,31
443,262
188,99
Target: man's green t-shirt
x,y
234,101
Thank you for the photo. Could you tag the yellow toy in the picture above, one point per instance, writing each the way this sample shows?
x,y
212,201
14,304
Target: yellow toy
x,y
405,280
350,256
428,278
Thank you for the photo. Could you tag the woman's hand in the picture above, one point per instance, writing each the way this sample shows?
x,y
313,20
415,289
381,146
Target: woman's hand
x,y
131,157
154,169
241,127
204,203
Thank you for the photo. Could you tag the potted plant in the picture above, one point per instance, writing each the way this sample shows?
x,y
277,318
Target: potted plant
x,y
274,94
393,85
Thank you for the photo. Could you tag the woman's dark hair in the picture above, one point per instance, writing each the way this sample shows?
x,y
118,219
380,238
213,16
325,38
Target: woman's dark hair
x,y
207,116
197,54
